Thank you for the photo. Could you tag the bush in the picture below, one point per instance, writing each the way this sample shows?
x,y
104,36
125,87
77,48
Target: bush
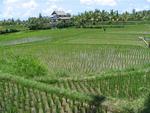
x,y
8,31
147,105
26,66
64,24
38,23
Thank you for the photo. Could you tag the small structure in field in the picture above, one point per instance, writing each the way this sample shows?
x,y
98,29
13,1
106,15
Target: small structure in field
x,y
146,40
60,15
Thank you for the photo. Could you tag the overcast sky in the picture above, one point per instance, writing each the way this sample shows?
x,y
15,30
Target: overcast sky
x,y
28,8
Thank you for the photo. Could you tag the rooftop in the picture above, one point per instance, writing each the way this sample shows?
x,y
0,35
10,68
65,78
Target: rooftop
x,y
59,13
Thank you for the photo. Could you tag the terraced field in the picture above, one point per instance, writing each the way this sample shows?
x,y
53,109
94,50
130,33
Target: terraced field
x,y
88,71
84,60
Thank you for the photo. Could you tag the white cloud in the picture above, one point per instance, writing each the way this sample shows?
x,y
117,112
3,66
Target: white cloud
x,y
99,2
54,0
8,12
148,0
10,1
30,8
30,4
54,5
19,8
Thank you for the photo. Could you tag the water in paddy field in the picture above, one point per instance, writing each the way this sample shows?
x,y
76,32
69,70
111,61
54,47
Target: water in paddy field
x,y
147,39
23,40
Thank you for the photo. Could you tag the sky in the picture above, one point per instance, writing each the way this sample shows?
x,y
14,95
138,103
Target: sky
x,y
23,9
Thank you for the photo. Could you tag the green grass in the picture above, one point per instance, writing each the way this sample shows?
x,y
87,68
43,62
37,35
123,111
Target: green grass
x,y
76,52
127,84
126,36
22,95
75,60
24,66
83,57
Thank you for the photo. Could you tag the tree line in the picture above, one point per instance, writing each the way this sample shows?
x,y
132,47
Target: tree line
x,y
87,19
98,18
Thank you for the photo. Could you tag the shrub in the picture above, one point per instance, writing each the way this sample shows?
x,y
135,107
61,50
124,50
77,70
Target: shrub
x,y
8,31
64,24
147,105
38,23
26,66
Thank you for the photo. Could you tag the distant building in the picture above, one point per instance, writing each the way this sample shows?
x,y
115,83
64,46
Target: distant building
x,y
60,15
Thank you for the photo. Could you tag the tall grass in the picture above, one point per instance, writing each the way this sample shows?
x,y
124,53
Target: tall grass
x,y
25,66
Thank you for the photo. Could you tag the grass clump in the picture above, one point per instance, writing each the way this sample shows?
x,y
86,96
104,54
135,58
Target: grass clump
x,y
146,108
147,105
25,66
62,73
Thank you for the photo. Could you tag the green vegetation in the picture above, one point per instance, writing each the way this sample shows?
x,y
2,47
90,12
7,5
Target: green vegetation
x,y
24,95
11,26
25,66
119,84
38,23
75,70
89,19
76,52
113,19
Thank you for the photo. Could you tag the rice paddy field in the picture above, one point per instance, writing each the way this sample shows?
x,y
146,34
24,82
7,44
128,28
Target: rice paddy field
x,y
75,70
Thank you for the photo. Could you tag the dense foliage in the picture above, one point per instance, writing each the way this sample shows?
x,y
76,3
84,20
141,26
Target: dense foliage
x,y
146,108
64,24
8,31
11,26
34,23
99,18
88,19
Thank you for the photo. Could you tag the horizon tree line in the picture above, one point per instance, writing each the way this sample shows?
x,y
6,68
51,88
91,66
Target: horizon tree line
x,y
86,19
